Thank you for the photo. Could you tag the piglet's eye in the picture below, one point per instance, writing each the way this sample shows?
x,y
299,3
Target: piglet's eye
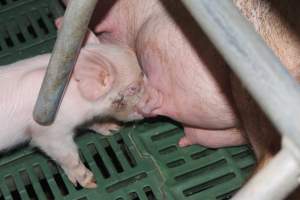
x,y
133,90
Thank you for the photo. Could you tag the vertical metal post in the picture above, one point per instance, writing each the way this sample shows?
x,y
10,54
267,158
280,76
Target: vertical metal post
x,y
68,43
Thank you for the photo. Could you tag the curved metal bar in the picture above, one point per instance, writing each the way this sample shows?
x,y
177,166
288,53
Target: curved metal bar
x,y
278,179
253,62
269,83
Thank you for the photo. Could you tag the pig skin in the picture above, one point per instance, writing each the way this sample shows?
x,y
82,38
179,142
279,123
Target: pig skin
x,y
188,81
112,90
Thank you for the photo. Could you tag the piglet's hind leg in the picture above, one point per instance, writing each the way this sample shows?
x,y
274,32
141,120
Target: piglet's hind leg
x,y
64,151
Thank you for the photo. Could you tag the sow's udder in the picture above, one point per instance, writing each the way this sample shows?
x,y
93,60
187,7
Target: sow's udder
x,y
188,86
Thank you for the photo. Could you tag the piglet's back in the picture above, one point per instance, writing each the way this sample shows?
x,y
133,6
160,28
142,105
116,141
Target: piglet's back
x,y
18,94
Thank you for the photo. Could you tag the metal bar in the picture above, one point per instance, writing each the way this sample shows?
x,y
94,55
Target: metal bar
x,y
260,70
66,49
269,83
277,179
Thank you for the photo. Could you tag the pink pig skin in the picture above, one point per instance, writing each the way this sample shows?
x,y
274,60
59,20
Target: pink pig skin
x,y
112,90
192,87
188,81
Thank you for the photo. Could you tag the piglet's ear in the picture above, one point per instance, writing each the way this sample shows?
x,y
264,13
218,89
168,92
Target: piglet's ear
x,y
93,73
90,37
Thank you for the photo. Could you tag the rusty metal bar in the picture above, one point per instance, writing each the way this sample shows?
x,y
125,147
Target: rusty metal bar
x,y
66,49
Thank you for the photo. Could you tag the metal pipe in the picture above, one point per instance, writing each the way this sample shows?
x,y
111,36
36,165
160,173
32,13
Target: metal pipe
x,y
66,49
277,179
260,70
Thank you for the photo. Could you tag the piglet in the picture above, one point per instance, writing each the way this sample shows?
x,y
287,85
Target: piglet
x,y
107,83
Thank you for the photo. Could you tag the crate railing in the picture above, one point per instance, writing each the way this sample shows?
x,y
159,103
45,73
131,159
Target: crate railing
x,y
269,83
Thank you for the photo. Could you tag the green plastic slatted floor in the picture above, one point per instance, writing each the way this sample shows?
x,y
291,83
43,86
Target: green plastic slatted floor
x,y
142,162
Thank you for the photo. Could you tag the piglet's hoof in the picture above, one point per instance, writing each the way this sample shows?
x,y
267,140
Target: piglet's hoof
x,y
184,142
83,176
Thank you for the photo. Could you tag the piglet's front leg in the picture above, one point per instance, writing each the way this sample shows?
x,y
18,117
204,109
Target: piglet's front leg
x,y
64,151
